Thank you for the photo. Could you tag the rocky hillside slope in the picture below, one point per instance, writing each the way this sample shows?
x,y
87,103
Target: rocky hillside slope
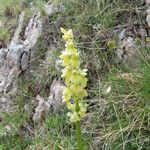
x,y
114,43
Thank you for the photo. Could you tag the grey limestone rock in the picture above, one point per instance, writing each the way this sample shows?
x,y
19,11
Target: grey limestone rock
x,y
14,59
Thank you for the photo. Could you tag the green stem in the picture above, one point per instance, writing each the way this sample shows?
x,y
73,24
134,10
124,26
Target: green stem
x,y
79,136
78,128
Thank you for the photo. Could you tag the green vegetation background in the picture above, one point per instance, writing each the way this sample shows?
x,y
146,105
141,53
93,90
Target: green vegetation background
x,y
119,120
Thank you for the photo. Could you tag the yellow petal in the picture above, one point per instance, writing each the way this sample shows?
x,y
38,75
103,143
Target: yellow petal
x,y
74,117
